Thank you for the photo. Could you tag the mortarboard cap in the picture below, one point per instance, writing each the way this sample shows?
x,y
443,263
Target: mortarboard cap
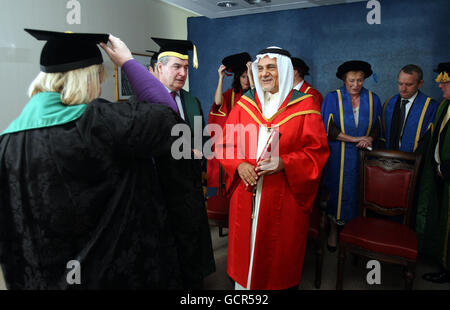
x,y
443,69
354,65
300,65
236,63
177,48
65,51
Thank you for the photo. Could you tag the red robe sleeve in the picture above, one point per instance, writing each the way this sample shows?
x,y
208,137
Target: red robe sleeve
x,y
303,166
217,115
219,112
229,144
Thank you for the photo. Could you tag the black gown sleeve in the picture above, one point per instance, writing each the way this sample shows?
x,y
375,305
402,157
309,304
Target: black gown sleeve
x,y
445,170
423,142
204,138
375,133
143,130
445,163
137,129
333,131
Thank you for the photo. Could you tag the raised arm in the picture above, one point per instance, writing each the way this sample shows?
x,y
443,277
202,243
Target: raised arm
x,y
218,98
146,86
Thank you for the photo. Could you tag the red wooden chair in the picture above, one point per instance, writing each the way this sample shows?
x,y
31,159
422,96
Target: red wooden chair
x,y
387,184
217,207
317,230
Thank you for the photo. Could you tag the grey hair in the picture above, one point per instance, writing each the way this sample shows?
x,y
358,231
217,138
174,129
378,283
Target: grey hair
x,y
164,60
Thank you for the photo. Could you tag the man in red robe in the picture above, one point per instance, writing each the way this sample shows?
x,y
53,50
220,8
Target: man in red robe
x,y
268,227
300,70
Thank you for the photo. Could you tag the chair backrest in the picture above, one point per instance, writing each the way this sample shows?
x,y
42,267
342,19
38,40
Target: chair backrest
x,y
387,182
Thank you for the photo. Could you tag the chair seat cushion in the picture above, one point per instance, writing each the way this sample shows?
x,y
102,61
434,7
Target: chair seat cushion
x,y
381,236
314,223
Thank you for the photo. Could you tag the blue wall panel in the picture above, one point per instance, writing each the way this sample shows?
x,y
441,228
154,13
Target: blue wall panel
x,y
411,31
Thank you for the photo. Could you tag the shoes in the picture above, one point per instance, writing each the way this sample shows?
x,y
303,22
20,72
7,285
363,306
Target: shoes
x,y
437,277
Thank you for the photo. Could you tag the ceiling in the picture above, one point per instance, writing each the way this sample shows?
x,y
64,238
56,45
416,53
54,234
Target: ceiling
x,y
209,8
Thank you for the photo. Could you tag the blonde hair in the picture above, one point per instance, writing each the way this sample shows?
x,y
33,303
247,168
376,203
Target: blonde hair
x,y
79,86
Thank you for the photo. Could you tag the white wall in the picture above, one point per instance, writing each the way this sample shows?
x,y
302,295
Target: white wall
x,y
134,21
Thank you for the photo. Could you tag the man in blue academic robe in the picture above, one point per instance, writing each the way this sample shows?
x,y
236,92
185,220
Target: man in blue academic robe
x,y
408,116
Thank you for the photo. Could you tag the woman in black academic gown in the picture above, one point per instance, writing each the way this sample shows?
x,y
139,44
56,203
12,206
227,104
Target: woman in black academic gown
x,y
89,183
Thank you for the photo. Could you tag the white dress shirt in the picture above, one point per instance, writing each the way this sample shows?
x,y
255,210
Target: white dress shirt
x,y
299,85
270,104
407,108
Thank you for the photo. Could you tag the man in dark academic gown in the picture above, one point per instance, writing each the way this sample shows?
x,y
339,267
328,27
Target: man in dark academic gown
x,y
79,183
172,65
300,70
408,116
433,214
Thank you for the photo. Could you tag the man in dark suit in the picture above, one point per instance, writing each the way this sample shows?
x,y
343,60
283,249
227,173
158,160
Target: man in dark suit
x,y
408,116
172,68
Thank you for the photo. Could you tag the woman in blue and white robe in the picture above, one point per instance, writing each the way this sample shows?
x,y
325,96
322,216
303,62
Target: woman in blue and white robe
x,y
352,117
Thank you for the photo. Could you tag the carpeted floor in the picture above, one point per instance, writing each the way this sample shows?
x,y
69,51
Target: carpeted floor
x,y
354,276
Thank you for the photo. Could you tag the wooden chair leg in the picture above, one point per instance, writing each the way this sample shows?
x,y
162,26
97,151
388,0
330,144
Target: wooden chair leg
x,y
355,260
409,276
320,245
319,263
340,271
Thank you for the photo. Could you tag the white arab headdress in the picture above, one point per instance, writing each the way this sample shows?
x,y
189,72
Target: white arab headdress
x,y
285,76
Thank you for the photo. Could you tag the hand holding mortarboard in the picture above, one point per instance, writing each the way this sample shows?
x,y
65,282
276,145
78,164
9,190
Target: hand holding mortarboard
x,y
236,63
66,51
218,98
221,71
118,52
